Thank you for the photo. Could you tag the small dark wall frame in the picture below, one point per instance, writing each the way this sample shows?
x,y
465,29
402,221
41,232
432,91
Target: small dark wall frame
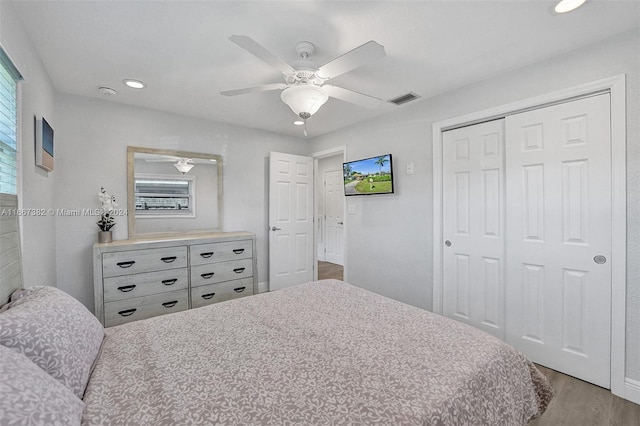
x,y
44,144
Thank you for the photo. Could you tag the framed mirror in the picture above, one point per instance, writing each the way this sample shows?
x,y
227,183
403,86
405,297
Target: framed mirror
x,y
173,192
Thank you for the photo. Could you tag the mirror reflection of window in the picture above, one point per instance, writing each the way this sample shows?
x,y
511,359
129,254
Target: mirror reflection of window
x,y
165,196
167,205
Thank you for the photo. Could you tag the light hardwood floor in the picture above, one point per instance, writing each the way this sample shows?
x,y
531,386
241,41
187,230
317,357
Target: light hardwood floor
x,y
578,403
575,403
329,271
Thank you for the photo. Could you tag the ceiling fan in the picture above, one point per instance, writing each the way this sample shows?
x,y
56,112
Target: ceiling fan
x,y
305,89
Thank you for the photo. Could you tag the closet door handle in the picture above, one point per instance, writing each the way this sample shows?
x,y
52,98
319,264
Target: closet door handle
x,y
207,275
168,259
600,259
170,304
447,243
126,264
127,313
208,296
126,288
207,254
170,282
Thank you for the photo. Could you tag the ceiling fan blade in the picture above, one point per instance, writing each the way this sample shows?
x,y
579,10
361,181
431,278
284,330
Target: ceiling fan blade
x,y
362,55
255,89
250,45
351,96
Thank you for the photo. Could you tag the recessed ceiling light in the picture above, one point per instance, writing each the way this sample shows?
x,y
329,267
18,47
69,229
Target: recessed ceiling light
x,y
134,84
568,5
298,122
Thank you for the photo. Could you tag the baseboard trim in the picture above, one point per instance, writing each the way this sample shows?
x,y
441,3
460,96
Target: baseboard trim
x,y
631,390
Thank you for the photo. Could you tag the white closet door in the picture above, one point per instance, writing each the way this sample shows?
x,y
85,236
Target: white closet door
x,y
473,226
334,222
558,233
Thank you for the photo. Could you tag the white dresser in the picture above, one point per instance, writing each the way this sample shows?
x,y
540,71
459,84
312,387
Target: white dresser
x,y
143,278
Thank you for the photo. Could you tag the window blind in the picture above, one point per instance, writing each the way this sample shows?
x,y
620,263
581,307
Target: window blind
x,y
9,77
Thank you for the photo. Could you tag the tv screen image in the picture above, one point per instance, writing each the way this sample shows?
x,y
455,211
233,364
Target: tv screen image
x,y
369,176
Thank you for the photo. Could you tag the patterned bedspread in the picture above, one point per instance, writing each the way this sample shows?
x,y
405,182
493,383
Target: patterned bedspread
x,y
316,354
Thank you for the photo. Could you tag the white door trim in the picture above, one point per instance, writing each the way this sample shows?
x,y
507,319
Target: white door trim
x,y
342,149
616,85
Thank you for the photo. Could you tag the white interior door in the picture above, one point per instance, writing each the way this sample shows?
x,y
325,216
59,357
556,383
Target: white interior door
x,y
473,226
558,172
333,212
290,220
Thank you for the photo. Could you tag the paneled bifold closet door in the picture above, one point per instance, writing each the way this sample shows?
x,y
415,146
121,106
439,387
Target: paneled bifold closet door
x,y
559,236
527,233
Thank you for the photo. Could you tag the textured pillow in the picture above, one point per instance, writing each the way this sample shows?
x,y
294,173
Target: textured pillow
x,y
29,396
56,332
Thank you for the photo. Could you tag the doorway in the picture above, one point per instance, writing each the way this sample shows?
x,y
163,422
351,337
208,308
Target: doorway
x,y
329,204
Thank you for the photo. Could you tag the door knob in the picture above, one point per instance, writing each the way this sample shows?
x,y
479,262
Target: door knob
x,y
600,259
273,228
447,243
340,223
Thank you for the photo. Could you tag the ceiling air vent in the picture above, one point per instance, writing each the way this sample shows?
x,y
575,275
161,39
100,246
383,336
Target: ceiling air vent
x,y
403,99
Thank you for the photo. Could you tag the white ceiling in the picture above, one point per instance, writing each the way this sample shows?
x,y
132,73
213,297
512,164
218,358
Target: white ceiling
x,y
181,49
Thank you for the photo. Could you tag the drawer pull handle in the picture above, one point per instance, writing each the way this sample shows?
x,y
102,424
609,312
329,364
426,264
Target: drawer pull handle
x,y
207,254
170,282
208,296
170,304
207,275
126,264
239,289
168,259
238,251
127,313
126,288
238,270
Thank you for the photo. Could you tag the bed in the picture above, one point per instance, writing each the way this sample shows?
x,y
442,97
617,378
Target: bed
x,y
320,353
325,352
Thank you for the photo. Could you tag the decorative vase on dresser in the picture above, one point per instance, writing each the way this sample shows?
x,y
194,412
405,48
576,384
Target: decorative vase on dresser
x,y
142,278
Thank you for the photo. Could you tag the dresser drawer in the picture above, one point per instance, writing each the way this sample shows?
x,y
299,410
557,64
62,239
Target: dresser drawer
x,y
214,293
219,272
124,311
138,285
201,254
136,261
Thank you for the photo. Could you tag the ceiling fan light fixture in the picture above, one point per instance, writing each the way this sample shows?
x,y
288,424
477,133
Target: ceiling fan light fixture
x,y
565,6
182,166
304,99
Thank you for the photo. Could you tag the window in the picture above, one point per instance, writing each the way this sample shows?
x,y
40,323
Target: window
x,y
9,77
164,195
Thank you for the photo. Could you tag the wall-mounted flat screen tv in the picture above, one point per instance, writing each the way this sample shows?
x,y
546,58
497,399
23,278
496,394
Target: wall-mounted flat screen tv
x,y
369,176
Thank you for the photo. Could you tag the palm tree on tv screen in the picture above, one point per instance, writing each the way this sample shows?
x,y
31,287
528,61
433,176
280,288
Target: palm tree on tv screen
x,y
380,161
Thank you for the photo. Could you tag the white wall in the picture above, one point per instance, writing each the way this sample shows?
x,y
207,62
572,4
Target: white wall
x,y
91,141
389,239
36,186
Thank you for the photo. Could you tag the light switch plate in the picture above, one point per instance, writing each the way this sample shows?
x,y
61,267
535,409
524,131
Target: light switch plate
x,y
410,168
